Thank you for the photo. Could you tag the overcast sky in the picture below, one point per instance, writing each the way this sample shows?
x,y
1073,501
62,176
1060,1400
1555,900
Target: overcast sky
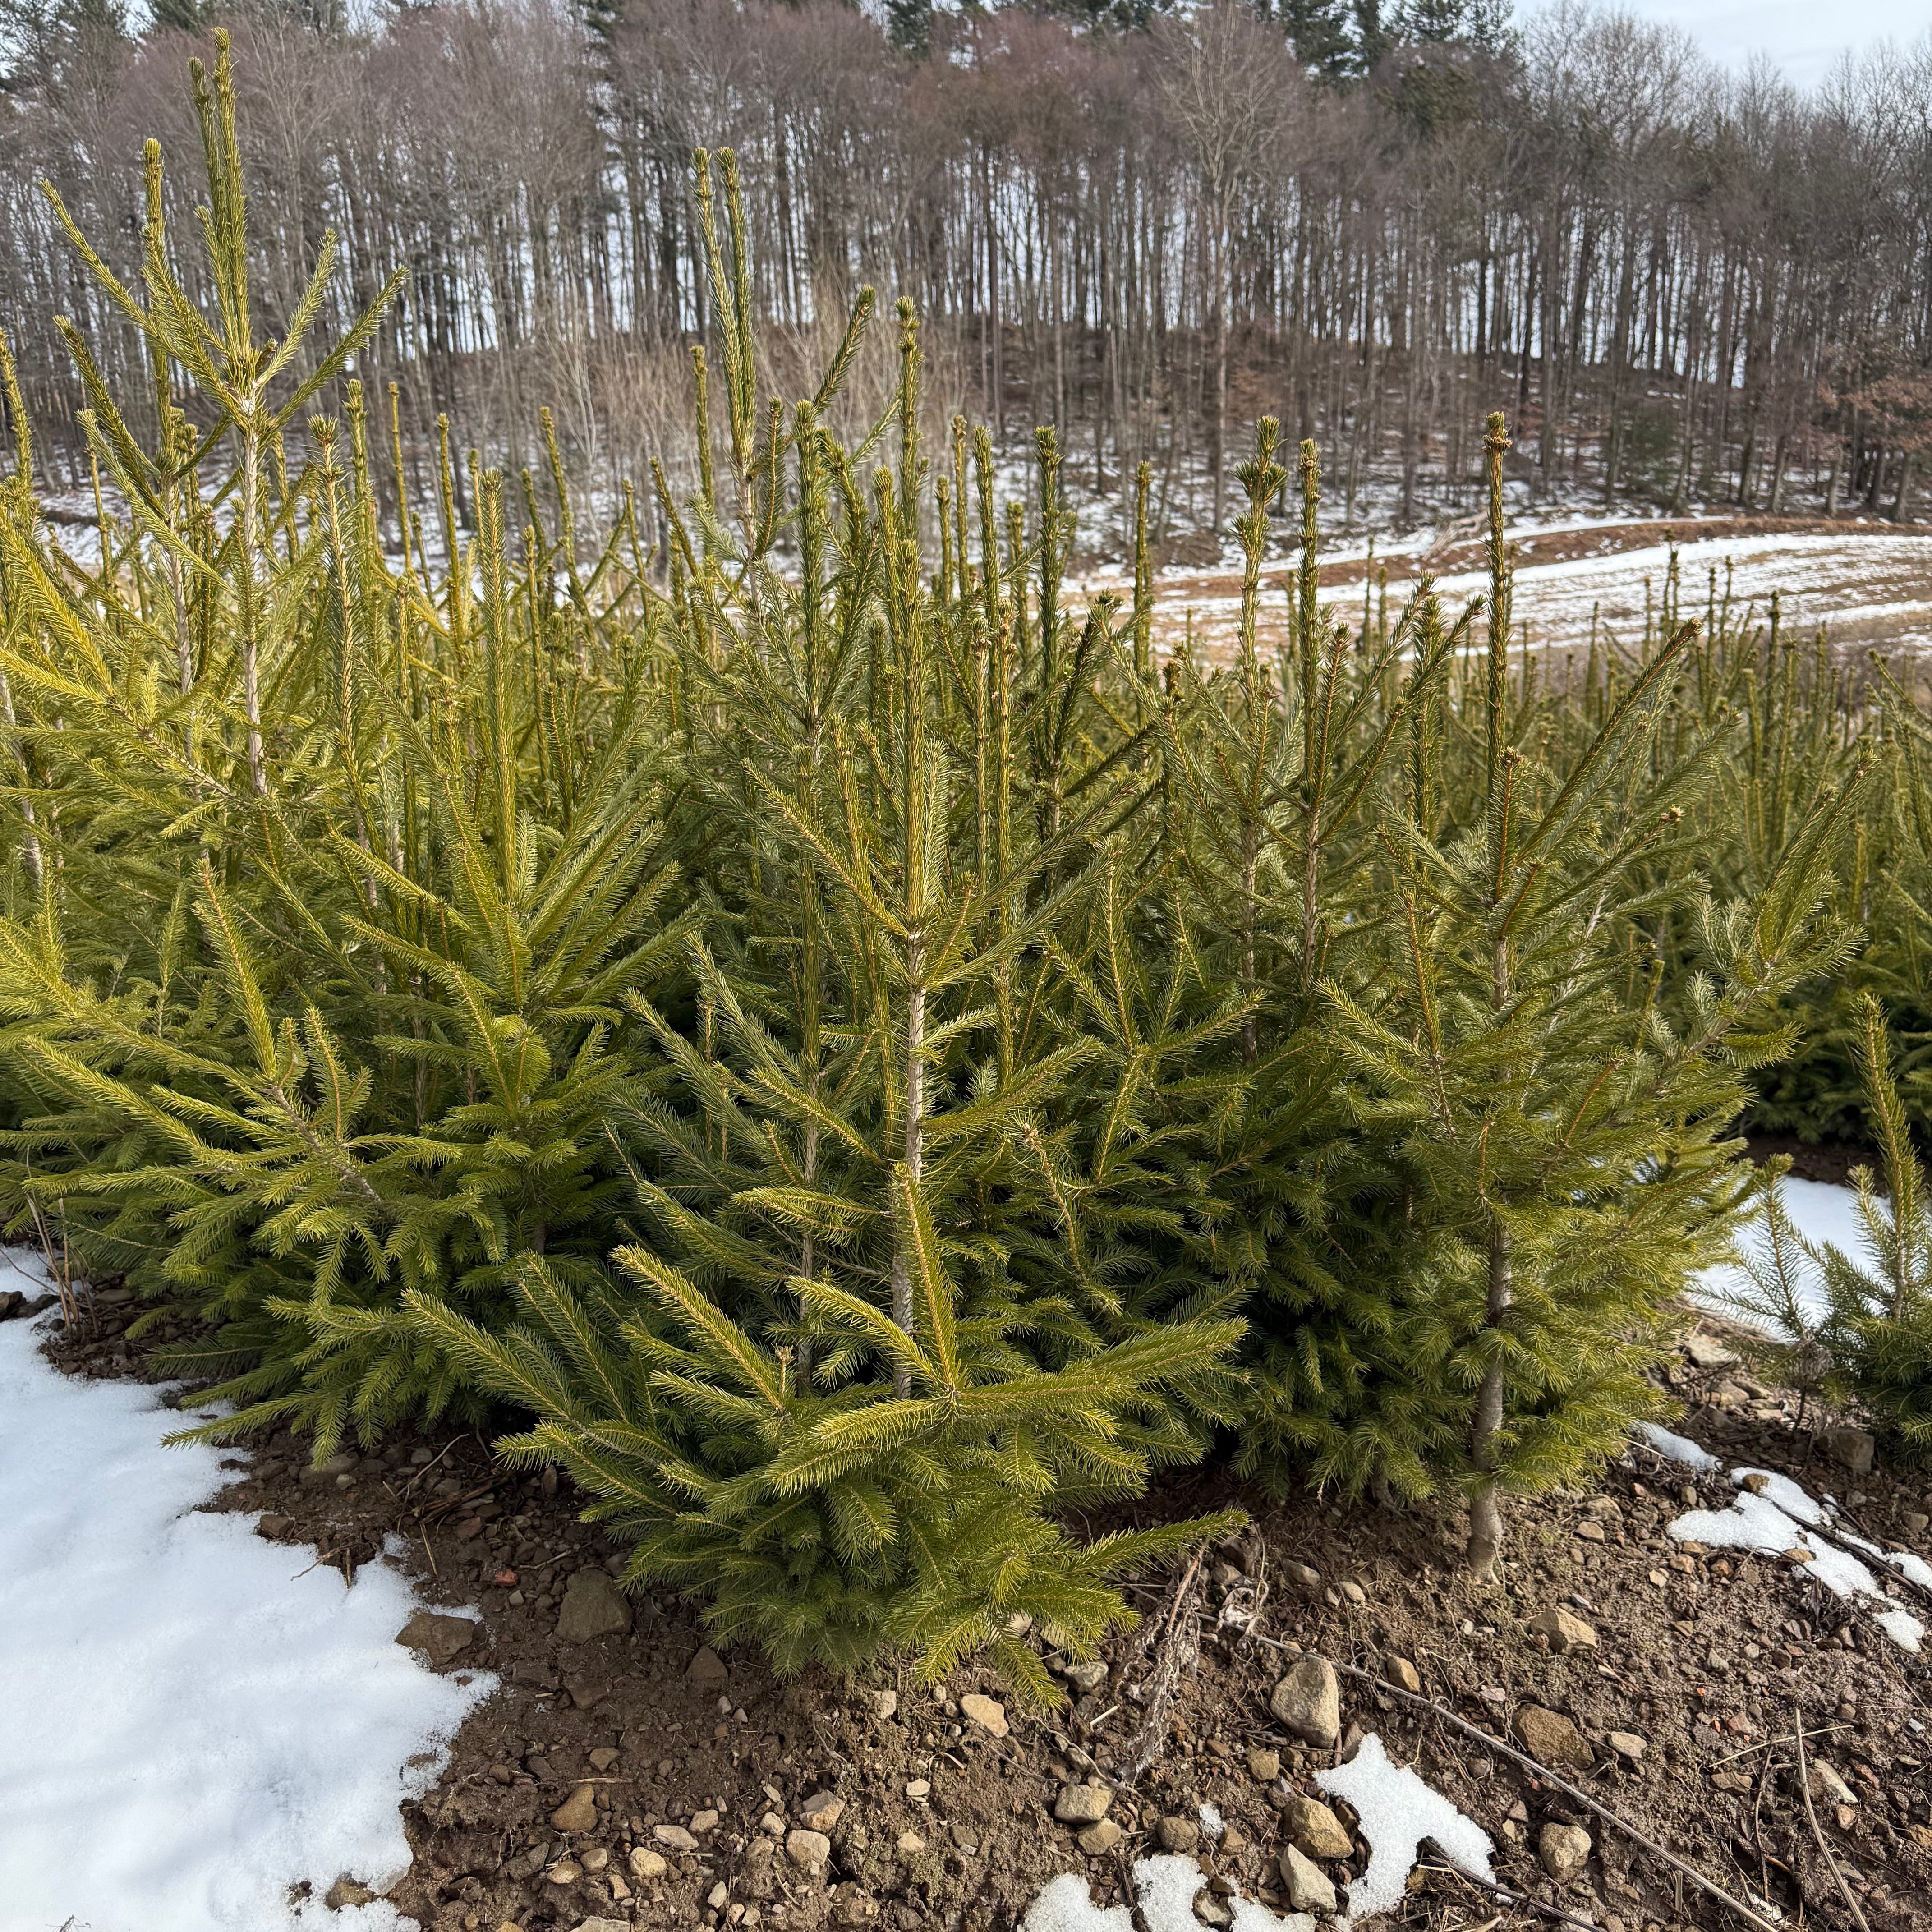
x,y
1804,37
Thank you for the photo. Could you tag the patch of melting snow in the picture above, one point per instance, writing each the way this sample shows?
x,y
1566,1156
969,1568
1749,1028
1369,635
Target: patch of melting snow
x,y
1212,1823
1677,1448
1397,1811
1773,1514
201,1728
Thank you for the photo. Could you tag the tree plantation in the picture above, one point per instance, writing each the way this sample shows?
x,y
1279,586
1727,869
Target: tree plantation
x,y
763,1001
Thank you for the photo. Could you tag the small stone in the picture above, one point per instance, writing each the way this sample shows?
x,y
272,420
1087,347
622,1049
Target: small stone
x,y
1315,1829
1591,1532
1352,1592
602,1925
1304,1576
810,1851
885,1704
1916,1522
1565,1631
578,1812
1627,1744
1309,1888
440,1638
1209,1910
1402,1674
987,1712
1852,1447
821,1811
602,1758
647,1864
274,1527
593,1606
706,1667
1308,1701
1088,1676
1082,1804
1177,1834
719,1897
1265,1764
1098,1840
1552,1739
703,1824
595,1859
1564,1851
565,1871
346,1892
918,1788
675,1836
911,1844
1829,1785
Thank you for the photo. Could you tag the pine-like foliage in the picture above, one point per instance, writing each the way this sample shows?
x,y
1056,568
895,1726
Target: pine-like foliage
x,y
332,875
819,1031
1562,1130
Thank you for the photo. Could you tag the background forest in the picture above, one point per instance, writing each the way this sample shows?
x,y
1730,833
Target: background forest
x,y
1147,227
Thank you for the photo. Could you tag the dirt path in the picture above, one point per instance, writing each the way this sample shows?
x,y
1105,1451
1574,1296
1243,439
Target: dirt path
x,y
1870,583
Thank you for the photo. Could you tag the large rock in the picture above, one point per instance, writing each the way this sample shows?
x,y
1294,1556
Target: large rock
x,y
987,1712
1315,1829
441,1639
1852,1447
1553,1739
1564,1850
593,1606
1308,1701
1706,1351
578,1812
1309,1888
1082,1804
810,1851
1177,1834
707,1668
1565,1633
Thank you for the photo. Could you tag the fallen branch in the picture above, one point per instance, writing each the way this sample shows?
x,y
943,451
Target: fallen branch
x,y
1704,1885
1176,1649
1516,1900
1817,1830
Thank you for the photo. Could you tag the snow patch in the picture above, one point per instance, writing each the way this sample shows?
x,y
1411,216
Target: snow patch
x,y
1796,1503
1677,1448
1212,1823
200,1728
1902,1626
1397,1811
1775,1514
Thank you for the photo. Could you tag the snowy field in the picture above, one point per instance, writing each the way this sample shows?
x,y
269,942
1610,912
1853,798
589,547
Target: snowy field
x,y
1871,586
192,1730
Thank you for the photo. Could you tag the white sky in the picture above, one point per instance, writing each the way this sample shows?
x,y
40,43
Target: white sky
x,y
1804,37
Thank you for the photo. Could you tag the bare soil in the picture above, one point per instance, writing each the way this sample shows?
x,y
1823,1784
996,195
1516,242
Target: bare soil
x,y
1710,1659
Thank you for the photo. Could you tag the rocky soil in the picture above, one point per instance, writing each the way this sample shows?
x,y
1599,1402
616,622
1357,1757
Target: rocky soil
x,y
626,1774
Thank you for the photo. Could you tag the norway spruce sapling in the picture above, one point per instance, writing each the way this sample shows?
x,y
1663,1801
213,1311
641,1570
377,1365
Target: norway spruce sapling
x,y
1276,769
1567,1145
817,1398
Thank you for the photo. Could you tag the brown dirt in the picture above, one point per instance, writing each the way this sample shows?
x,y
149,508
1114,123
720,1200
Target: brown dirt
x,y
1707,1657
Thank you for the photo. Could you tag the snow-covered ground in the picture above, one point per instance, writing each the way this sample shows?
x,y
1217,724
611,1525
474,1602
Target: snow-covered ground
x,y
1825,1215
189,1729
1867,586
